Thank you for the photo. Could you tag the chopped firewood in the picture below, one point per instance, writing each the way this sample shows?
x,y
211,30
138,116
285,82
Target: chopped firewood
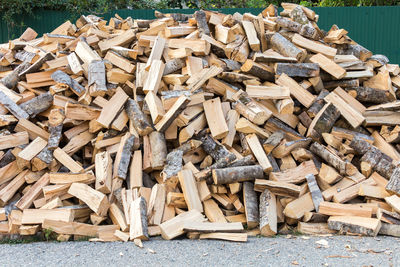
x,y
354,224
198,124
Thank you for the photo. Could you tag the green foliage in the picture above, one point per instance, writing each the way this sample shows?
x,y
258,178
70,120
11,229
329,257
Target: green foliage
x,y
49,234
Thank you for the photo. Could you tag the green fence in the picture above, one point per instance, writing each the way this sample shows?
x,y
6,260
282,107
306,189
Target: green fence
x,y
375,28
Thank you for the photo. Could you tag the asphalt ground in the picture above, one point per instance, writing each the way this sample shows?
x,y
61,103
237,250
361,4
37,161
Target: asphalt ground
x,y
278,251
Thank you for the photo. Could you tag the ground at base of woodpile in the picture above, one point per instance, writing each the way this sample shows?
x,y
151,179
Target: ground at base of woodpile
x,y
279,251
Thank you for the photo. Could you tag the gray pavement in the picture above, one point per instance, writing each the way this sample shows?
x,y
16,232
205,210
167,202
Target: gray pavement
x,y
278,251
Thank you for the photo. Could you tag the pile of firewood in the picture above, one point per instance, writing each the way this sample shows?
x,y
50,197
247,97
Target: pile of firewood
x,y
210,125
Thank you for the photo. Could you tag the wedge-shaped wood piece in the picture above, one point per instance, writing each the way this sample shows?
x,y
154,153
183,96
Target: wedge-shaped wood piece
x,y
113,106
329,66
7,192
120,61
236,237
301,94
268,92
295,175
351,192
81,112
251,34
355,224
138,227
32,216
207,227
215,118
32,129
257,149
29,152
279,188
314,228
153,80
328,174
337,209
103,166
179,105
314,46
76,228
33,192
213,212
118,217
245,126
135,170
85,53
200,47
96,200
298,207
155,208
373,191
190,191
13,140
155,106
68,178
74,64
268,214
66,160
174,227
314,190
118,40
394,202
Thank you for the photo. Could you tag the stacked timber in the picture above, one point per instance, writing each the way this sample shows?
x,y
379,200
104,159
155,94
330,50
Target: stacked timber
x,y
210,125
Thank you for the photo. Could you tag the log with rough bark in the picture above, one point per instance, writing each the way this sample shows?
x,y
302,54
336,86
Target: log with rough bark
x,y
286,48
237,174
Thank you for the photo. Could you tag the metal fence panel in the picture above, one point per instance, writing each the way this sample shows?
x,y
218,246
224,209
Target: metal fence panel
x,y
373,27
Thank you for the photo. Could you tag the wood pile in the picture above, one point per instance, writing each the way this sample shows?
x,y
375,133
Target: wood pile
x,y
211,125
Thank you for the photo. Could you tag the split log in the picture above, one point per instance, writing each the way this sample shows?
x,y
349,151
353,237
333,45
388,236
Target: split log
x,y
251,205
56,119
201,20
323,121
158,150
268,215
237,174
344,168
12,106
63,78
139,227
286,48
97,78
173,165
315,191
138,118
353,224
297,69
11,80
123,157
